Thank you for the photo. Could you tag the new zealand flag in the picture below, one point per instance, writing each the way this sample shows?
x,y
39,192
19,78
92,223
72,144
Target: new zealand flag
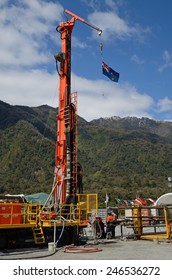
x,y
110,73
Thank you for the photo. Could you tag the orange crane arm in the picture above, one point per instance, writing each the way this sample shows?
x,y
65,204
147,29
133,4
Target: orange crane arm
x,y
84,21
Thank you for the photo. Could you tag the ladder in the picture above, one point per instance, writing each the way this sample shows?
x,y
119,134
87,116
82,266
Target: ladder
x,y
38,235
74,154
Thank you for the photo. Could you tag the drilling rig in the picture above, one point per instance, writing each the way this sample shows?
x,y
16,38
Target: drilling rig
x,y
67,210
68,180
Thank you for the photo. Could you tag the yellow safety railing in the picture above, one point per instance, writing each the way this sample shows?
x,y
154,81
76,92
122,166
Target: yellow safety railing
x,y
79,213
151,222
88,206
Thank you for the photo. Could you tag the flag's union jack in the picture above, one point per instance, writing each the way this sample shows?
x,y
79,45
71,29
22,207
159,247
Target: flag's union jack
x,y
110,73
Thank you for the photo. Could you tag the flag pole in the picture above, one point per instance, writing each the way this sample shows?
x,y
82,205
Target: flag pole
x,y
106,201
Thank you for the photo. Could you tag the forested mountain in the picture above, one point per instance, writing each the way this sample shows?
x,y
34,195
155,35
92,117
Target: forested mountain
x,y
123,157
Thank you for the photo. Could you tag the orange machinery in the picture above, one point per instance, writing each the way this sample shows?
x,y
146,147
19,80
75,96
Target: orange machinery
x,y
68,172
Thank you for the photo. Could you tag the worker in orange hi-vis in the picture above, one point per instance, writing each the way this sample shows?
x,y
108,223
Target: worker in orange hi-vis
x,y
111,221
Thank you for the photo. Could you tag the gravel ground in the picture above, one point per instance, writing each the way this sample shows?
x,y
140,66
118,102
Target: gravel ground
x,y
116,249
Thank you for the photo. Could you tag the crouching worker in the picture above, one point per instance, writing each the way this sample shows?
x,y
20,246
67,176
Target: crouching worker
x,y
111,221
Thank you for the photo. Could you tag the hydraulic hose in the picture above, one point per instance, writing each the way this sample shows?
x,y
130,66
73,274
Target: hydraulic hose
x,y
80,249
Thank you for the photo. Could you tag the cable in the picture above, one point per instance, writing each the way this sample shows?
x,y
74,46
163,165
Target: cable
x,y
101,48
31,257
61,232
58,69
102,59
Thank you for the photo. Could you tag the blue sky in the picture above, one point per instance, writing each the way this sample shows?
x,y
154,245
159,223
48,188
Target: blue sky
x,y
136,43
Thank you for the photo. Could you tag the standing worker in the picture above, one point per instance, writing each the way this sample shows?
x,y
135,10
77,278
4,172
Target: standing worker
x,y
111,221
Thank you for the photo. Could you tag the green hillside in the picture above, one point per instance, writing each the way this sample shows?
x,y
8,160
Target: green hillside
x,y
123,157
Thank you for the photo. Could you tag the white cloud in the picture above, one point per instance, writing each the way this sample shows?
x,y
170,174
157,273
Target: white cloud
x,y
115,27
94,4
164,105
19,50
137,59
167,58
77,43
3,2
95,98
22,25
99,5
105,99
32,88
111,4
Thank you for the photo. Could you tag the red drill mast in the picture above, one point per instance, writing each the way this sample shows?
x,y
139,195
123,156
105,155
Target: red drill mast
x,y
67,180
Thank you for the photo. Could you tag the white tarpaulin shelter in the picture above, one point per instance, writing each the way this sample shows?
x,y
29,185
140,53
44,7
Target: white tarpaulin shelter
x,y
165,199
